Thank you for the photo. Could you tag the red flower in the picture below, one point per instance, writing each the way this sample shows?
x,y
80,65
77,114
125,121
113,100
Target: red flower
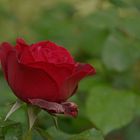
x,y
43,74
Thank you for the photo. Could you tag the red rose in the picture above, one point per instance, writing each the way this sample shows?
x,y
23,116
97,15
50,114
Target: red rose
x,y
43,74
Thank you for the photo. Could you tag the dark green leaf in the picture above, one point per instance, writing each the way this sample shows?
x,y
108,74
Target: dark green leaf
x,y
10,130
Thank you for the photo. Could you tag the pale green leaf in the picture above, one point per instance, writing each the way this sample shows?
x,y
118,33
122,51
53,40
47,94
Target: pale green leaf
x,y
110,108
92,134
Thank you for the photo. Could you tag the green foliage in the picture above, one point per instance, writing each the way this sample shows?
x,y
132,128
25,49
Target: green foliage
x,y
10,130
87,135
111,108
117,53
118,3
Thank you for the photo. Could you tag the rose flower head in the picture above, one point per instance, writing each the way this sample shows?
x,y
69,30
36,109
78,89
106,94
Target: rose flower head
x,y
43,74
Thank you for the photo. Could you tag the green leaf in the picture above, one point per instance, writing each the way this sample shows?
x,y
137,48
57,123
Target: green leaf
x,y
76,125
117,53
93,44
57,134
108,18
118,3
129,25
136,4
132,132
92,134
110,108
10,130
45,135
114,56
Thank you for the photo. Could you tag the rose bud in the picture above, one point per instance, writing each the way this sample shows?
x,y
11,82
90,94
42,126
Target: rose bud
x,y
43,74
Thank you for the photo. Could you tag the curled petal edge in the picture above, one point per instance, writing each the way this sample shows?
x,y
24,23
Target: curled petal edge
x,y
53,108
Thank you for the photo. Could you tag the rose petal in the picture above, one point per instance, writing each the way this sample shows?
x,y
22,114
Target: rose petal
x,y
21,45
70,84
83,70
58,72
5,48
47,51
23,52
51,107
30,83
67,108
70,109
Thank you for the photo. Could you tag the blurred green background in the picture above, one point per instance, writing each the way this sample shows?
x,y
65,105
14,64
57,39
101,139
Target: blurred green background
x,y
104,33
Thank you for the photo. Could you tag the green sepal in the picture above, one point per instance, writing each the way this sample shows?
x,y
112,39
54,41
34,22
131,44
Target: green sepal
x,y
15,107
33,112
